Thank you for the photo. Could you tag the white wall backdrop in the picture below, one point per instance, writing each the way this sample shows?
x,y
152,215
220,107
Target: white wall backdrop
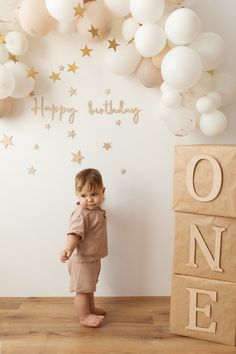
x,y
35,208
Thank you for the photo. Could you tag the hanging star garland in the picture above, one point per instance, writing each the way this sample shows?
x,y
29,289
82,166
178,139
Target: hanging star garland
x,y
86,51
77,157
72,67
71,134
106,146
94,31
113,44
79,11
6,141
31,73
72,91
31,170
55,77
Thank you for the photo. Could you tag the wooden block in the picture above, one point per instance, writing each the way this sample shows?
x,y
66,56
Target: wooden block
x,y
205,246
205,179
203,308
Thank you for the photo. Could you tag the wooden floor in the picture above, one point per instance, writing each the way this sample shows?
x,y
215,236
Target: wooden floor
x,y
137,325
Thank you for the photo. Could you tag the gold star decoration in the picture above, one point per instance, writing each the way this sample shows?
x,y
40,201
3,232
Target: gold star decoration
x,y
6,141
13,58
32,93
79,11
86,51
55,77
31,73
123,171
113,44
108,91
72,67
94,31
47,126
72,91
77,157
71,134
31,170
106,146
118,122
2,39
36,147
61,67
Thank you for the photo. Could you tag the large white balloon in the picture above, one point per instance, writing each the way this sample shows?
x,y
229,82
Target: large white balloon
x,y
171,99
181,68
129,28
181,121
182,26
23,84
4,54
213,123
149,40
119,8
63,10
7,82
211,49
124,60
147,11
225,84
16,42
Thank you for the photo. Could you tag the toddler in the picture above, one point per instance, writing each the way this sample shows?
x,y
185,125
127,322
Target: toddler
x,y
87,234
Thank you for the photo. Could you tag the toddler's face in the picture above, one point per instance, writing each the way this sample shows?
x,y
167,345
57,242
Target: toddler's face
x,y
90,199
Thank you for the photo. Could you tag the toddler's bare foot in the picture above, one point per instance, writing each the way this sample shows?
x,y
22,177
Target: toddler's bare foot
x,y
98,311
91,320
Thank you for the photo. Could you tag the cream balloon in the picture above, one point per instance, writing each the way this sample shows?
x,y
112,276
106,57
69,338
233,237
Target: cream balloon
x,y
7,82
204,85
150,39
213,123
129,28
63,10
165,88
211,49
205,104
4,54
124,60
157,59
16,42
147,11
23,84
171,99
182,26
148,74
181,68
216,97
5,107
35,19
181,121
225,84
119,8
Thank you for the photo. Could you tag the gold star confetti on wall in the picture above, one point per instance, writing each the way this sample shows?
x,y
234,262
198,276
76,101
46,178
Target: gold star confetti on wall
x,y
36,147
113,44
47,126
72,67
6,141
94,31
72,91
31,170
31,72
2,39
118,122
55,77
108,91
77,157
86,51
123,171
71,134
79,11
106,146
61,67
13,58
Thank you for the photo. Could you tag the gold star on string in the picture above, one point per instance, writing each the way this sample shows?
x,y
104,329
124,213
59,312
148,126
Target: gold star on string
x,y
31,73
94,31
118,122
79,11
32,93
6,141
86,51
72,91
31,170
113,44
72,67
108,91
106,146
123,171
2,39
36,147
71,134
77,157
13,58
61,67
55,77
47,126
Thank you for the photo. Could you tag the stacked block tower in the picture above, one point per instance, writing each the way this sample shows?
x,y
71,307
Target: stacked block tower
x,y
203,299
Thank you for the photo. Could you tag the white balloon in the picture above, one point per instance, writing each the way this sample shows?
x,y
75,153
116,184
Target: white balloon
x,y
124,60
205,104
225,84
165,87
7,82
181,121
204,85
211,48
147,11
213,123
216,97
182,26
181,68
171,99
16,42
119,8
23,84
65,27
4,54
129,28
149,40
63,10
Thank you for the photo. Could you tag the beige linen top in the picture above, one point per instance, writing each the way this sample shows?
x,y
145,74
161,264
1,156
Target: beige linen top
x,y
91,227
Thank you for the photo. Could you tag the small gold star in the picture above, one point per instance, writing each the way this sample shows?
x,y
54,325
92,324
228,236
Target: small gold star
x,y
77,157
86,51
72,91
61,67
71,134
113,44
118,122
36,147
47,126
94,31
31,73
79,11
31,170
55,76
13,58
2,39
108,91
6,141
32,93
123,171
72,67
106,146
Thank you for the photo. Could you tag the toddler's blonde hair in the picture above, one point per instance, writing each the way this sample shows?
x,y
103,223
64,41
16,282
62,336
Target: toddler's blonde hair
x,y
90,177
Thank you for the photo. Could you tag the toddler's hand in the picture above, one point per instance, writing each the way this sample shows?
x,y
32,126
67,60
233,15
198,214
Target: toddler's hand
x,y
65,255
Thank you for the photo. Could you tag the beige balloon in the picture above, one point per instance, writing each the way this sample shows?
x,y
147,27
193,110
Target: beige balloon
x,y
5,107
98,16
157,59
148,74
35,19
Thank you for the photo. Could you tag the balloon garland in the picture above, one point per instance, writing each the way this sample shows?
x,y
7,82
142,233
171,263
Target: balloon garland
x,y
163,43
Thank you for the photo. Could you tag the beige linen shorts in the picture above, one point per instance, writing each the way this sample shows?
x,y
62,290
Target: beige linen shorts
x,y
83,275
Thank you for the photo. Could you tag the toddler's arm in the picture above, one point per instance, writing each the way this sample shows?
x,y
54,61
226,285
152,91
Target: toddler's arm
x,y
71,243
